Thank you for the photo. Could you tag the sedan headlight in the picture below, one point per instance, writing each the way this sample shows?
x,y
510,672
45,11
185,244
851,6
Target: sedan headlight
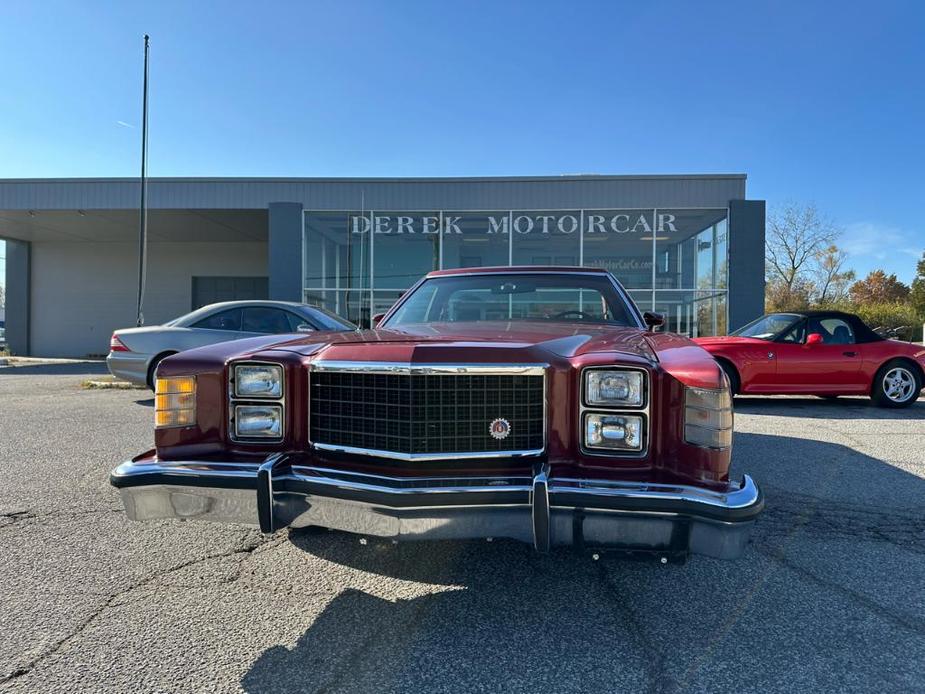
x,y
258,421
613,388
617,432
708,417
258,381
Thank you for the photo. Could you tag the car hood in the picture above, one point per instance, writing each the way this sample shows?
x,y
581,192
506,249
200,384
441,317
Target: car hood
x,y
431,341
729,340
477,342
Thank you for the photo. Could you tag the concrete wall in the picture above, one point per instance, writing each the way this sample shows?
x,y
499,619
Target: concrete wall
x,y
491,193
285,251
81,292
746,261
18,307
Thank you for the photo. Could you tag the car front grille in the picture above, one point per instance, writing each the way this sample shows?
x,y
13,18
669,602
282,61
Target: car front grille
x,y
427,412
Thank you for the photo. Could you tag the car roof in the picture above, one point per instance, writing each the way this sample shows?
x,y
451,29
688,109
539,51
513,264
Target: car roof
x,y
862,331
254,302
198,314
819,312
552,269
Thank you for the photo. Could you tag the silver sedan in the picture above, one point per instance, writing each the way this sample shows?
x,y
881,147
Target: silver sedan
x,y
134,353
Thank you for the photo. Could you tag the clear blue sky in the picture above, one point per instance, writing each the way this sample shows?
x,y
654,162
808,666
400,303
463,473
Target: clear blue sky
x,y
819,102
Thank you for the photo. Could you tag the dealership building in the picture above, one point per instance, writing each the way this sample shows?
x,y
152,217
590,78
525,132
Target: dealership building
x,y
688,246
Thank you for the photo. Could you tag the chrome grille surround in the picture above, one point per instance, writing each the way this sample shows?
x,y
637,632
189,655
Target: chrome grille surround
x,y
428,370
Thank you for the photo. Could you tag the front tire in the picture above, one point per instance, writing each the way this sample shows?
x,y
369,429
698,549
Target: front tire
x,y
152,369
731,374
897,384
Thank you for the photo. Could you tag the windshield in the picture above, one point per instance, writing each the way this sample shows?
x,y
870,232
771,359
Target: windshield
x,y
514,297
768,327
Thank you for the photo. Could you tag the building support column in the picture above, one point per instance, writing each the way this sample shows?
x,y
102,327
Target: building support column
x,y
745,299
284,251
18,295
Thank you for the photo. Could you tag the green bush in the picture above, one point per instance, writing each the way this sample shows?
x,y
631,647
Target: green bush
x,y
892,315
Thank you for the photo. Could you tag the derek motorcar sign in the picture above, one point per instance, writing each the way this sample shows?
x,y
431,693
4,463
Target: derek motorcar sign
x,y
520,223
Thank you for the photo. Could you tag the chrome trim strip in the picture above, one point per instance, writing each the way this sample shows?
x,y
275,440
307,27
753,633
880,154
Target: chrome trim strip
x,y
204,470
539,510
487,479
464,486
403,368
746,495
392,455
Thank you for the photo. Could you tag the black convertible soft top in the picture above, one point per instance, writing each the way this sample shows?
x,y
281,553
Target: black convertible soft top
x,y
862,333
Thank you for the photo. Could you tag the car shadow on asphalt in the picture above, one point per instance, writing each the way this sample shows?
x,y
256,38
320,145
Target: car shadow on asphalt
x,y
819,408
148,402
80,369
496,616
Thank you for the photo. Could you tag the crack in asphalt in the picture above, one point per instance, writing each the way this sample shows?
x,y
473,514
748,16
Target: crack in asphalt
x,y
408,611
823,517
248,546
16,517
913,624
659,680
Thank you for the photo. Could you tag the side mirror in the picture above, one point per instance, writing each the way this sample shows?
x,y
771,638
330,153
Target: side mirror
x,y
304,328
653,320
813,339
378,319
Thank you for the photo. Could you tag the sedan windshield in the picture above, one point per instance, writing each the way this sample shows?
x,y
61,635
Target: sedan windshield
x,y
515,297
768,327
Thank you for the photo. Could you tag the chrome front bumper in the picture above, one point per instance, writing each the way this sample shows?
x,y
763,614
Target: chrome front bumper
x,y
537,509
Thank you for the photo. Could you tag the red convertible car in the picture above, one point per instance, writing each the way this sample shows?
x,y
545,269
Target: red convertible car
x,y
526,403
826,353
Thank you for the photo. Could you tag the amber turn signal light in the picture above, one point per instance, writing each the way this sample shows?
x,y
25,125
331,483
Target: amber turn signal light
x,y
175,402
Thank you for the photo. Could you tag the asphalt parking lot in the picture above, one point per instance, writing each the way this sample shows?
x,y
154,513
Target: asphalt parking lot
x,y
829,597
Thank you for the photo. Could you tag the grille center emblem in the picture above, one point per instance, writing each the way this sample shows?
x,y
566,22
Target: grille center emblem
x,y
500,429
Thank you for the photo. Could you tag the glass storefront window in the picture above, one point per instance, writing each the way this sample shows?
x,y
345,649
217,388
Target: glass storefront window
x,y
691,313
332,257
476,239
620,241
546,237
406,246
674,261
686,248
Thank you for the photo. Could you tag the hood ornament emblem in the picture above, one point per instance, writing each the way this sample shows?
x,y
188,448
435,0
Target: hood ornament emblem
x,y
500,429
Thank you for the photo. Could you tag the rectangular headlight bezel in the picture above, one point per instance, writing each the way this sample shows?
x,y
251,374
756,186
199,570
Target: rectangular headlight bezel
x,y
614,450
237,399
641,374
258,406
268,395
642,411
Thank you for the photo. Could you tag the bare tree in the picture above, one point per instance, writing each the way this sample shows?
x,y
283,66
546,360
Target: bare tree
x,y
796,235
832,278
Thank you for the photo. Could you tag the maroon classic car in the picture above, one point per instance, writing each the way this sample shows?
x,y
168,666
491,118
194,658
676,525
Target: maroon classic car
x,y
518,402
